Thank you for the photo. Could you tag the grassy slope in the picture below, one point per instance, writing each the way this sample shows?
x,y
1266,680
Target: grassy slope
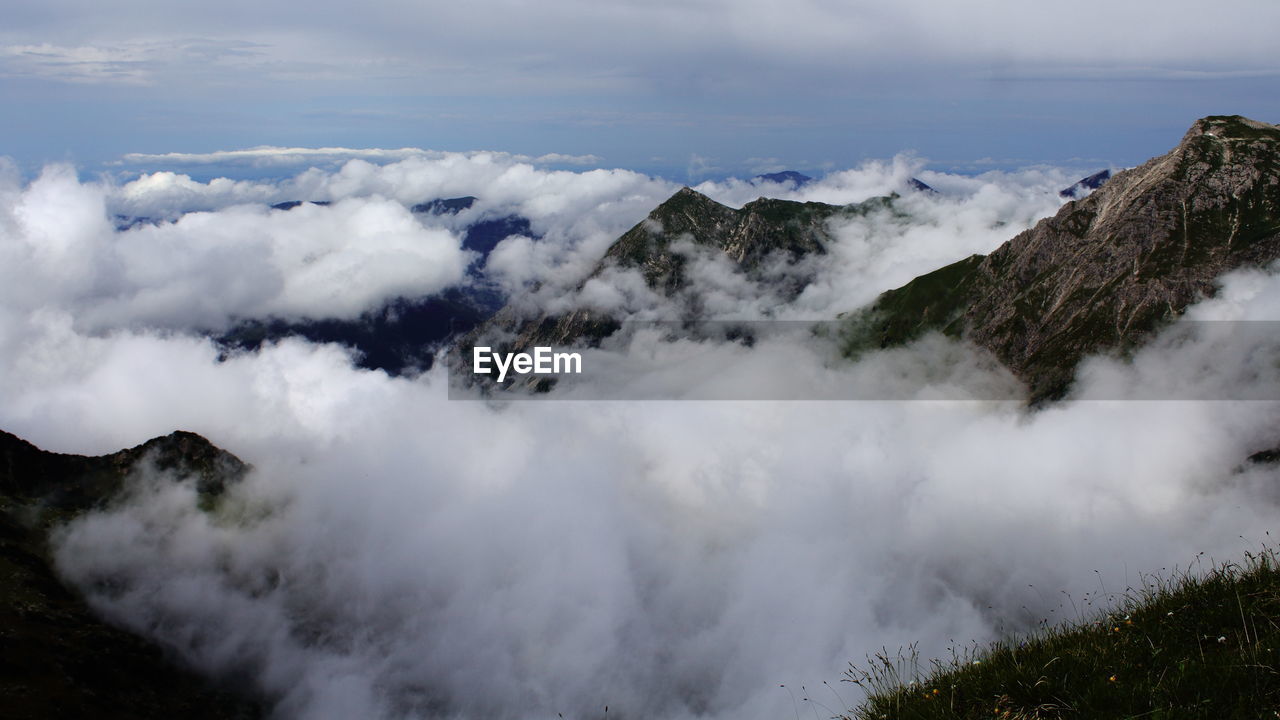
x,y
1193,647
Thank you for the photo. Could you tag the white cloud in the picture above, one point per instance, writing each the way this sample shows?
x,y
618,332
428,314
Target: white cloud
x,y
269,156
397,553
577,213
121,64
624,47
128,61
208,268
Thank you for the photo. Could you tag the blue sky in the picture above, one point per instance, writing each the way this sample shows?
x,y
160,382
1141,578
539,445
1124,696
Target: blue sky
x,y
694,88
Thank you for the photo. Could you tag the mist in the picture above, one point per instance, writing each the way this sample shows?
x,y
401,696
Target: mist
x,y
395,553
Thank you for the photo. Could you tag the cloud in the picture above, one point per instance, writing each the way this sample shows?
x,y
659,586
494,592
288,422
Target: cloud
x,y
268,156
124,62
207,268
578,214
625,47
761,166
124,65
396,553
1130,73
562,159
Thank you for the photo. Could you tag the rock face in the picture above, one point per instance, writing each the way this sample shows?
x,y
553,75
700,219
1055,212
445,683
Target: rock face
x,y
56,658
1108,270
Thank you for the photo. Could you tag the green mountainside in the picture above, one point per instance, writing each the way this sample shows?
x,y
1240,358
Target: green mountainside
x,y
1188,647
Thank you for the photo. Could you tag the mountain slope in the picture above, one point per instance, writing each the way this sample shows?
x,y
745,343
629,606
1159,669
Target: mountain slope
x,y
1108,270
57,659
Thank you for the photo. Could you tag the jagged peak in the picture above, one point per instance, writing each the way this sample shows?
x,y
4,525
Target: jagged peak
x,y
686,194
687,199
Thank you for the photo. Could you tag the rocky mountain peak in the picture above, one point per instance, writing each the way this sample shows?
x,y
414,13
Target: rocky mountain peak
x,y
1229,127
1107,270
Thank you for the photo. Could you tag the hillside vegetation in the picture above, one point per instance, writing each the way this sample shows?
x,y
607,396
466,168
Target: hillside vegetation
x,y
1190,646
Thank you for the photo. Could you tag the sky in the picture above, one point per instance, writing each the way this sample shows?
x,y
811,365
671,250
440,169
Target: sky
x,y
686,89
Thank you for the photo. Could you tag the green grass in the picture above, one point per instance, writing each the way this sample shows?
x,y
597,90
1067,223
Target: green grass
x,y
1192,646
933,301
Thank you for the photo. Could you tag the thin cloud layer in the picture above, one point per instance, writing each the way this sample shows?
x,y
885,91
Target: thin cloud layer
x,y
268,156
809,84
626,42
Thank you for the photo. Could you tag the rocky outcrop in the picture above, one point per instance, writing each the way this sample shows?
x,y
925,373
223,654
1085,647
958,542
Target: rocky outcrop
x,y
1107,270
57,659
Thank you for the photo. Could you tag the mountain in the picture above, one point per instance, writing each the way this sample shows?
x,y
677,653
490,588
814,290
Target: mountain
x,y
1107,270
786,176
56,658
756,239
921,186
1102,275
747,237
291,204
1084,186
484,234
445,206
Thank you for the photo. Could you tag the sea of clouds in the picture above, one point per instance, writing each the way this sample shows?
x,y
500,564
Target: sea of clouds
x,y
395,553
